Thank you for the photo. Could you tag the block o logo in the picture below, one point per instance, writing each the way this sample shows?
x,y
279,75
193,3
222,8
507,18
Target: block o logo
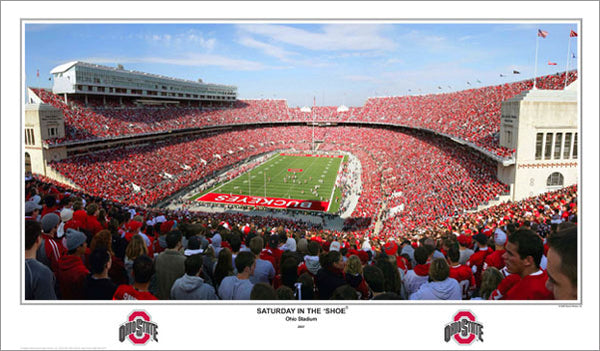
x,y
464,329
138,329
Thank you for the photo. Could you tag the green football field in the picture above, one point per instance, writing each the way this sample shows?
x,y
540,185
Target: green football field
x,y
288,176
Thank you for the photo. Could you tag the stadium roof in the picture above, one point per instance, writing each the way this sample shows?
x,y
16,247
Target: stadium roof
x,y
64,67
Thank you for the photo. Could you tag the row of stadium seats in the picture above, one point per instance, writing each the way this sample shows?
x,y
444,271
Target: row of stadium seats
x,y
472,115
436,177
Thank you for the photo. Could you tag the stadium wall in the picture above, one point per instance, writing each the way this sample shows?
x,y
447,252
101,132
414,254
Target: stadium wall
x,y
542,125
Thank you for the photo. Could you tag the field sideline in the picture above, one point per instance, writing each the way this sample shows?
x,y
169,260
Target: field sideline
x,y
310,179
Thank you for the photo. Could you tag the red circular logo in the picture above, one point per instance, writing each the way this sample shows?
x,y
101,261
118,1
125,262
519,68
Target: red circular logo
x,y
460,315
143,315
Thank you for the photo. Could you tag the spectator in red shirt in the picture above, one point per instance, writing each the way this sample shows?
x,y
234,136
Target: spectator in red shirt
x,y
478,258
462,273
92,224
72,272
51,249
143,270
523,254
562,264
495,258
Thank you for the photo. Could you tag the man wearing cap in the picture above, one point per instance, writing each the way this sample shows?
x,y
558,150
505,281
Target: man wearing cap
x,y
391,249
39,279
72,272
51,248
32,211
495,258
478,258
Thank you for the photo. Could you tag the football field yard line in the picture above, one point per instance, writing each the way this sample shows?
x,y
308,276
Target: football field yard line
x,y
309,167
333,188
317,168
222,185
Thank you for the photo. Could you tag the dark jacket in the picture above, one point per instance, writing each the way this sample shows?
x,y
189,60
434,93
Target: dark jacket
x,y
328,280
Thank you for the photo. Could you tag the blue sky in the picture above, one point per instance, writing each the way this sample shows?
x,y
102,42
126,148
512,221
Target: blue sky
x,y
336,62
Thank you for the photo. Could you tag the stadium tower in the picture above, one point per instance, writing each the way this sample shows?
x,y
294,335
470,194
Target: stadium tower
x,y
542,125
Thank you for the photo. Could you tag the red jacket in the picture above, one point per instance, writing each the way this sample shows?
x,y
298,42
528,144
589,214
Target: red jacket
x,y
71,277
50,252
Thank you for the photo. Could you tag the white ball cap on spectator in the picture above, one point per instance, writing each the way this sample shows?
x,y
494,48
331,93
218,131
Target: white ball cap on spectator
x,y
36,199
335,246
499,237
66,214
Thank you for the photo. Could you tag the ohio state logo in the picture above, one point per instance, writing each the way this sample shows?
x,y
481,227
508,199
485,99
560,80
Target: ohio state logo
x,y
464,329
138,328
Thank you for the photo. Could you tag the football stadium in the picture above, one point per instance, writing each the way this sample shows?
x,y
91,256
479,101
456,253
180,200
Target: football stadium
x,y
144,186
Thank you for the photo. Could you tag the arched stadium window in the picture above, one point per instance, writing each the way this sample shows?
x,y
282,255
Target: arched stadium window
x,y
555,179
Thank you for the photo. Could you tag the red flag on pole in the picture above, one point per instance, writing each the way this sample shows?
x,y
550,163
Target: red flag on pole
x,y
551,63
314,101
542,33
573,34
37,74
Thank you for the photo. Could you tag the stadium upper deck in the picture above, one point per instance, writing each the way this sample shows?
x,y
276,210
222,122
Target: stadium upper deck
x,y
471,115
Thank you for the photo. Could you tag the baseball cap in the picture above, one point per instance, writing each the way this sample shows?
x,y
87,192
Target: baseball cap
x,y
49,221
390,248
499,237
335,246
30,206
66,214
75,239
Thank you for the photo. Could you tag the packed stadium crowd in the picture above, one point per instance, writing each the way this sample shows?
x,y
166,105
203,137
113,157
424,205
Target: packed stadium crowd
x,y
472,115
81,247
458,180
109,241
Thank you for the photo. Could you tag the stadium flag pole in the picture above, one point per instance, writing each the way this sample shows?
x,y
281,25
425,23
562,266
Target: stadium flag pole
x,y
537,41
571,34
543,34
